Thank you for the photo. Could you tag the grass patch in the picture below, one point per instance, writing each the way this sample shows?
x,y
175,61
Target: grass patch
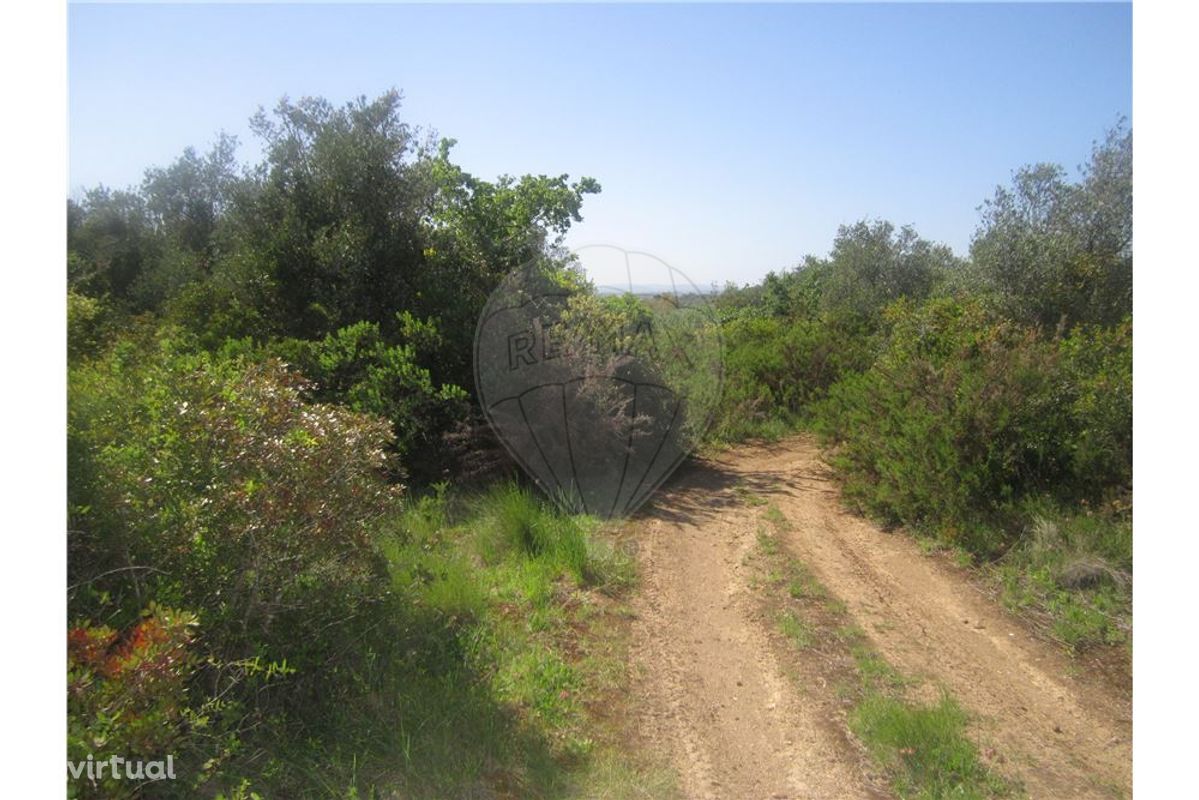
x,y
876,674
1072,576
836,606
795,629
746,496
802,584
1067,572
924,748
776,518
481,678
767,543
735,429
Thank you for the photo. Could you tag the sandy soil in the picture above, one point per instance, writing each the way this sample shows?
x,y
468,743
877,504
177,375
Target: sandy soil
x,y
711,696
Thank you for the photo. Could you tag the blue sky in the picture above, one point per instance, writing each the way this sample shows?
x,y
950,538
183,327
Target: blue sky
x,y
730,140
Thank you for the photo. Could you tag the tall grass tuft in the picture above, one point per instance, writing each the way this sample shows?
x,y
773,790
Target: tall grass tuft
x,y
511,519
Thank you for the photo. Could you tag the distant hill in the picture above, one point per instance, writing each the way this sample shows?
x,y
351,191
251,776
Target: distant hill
x,y
652,289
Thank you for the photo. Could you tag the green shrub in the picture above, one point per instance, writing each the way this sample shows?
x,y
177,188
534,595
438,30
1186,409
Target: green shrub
x,y
775,368
89,324
964,414
359,368
1098,365
221,308
210,484
1055,251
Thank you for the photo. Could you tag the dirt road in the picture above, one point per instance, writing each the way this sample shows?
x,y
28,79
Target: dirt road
x,y
710,693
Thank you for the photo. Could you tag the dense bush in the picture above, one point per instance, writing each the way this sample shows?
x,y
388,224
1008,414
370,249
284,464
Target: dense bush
x,y
357,367
791,338
209,484
88,325
1056,252
775,368
217,480
1098,368
964,413
872,264
351,227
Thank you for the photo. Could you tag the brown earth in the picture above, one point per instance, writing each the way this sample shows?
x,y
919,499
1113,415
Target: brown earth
x,y
711,695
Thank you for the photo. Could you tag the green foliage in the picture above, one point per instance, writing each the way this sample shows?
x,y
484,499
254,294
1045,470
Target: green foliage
x,y
965,413
872,265
775,368
1060,253
330,219
110,243
789,340
356,367
89,325
798,292
226,307
1097,362
1072,574
480,231
351,229
127,692
924,748
187,199
210,484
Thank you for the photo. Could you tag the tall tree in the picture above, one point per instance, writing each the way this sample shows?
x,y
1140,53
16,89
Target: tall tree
x,y
1058,252
873,263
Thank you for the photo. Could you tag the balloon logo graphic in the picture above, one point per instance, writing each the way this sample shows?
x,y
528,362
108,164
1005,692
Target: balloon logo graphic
x,y
598,392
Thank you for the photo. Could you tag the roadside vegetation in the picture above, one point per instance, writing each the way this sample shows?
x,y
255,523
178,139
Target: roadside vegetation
x,y
269,575
982,403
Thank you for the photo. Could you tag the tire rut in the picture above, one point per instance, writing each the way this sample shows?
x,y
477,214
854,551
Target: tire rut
x,y
711,697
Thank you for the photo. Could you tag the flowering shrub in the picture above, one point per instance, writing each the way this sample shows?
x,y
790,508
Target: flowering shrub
x,y
211,484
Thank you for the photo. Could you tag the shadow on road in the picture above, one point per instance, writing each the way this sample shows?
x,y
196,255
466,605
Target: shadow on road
x,y
703,487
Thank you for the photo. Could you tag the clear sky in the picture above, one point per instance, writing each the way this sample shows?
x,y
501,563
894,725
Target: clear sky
x,y
730,140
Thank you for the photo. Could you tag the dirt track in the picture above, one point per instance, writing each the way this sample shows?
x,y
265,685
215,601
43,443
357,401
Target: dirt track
x,y
711,696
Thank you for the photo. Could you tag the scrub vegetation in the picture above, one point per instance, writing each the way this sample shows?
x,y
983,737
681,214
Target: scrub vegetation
x,y
298,560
